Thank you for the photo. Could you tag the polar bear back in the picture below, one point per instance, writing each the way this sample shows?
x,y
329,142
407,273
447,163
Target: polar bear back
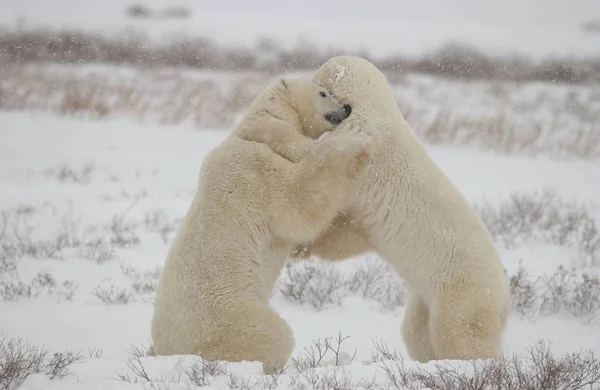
x,y
232,191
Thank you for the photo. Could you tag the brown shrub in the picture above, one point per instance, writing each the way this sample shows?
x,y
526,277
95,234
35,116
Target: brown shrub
x,y
556,121
452,60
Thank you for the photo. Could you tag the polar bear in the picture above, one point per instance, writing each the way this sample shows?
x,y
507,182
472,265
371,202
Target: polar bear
x,y
251,208
290,116
409,212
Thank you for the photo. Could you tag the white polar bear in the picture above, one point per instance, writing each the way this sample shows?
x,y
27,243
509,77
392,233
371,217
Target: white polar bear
x,y
251,208
409,212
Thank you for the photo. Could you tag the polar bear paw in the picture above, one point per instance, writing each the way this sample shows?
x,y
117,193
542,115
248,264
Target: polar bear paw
x,y
354,154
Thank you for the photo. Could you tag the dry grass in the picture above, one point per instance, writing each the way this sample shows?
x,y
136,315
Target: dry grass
x,y
66,173
555,121
319,366
503,132
19,359
453,61
530,119
522,219
12,288
499,113
564,292
324,365
543,217
161,97
320,284
142,11
539,369
17,239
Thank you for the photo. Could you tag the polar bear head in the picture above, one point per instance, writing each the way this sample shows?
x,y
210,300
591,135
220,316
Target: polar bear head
x,y
357,82
318,110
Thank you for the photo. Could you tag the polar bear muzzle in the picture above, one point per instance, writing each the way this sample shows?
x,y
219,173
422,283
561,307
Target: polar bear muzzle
x,y
336,117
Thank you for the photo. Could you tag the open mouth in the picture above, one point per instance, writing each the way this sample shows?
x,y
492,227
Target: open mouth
x,y
334,119
338,117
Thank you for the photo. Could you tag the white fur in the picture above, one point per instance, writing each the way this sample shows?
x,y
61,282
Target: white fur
x,y
410,213
251,208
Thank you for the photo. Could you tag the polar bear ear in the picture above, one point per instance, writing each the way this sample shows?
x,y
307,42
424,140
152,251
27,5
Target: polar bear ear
x,y
284,83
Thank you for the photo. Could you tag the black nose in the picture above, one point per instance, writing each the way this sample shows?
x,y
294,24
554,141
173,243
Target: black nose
x,y
347,110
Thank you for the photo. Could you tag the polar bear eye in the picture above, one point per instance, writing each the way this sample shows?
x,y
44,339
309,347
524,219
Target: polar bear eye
x,y
323,94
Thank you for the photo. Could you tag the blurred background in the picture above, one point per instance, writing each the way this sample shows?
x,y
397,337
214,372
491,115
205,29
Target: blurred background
x,y
499,57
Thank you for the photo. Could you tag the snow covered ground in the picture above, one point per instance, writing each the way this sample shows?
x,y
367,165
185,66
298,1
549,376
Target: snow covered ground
x,y
112,193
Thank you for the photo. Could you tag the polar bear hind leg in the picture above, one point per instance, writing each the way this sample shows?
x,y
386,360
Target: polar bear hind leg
x,y
415,330
261,335
461,328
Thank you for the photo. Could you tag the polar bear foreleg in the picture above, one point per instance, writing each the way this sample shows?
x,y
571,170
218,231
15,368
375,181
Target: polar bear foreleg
x,y
282,137
342,240
308,195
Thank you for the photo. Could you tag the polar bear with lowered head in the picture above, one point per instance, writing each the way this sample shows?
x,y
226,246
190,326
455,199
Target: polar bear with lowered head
x,y
409,212
251,208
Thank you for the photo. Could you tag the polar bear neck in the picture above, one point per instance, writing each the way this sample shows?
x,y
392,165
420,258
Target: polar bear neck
x,y
287,111
279,106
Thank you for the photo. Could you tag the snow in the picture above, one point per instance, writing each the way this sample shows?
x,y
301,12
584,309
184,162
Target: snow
x,y
532,27
160,166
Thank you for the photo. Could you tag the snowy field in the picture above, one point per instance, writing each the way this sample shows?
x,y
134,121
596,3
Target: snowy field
x,y
99,163
89,209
